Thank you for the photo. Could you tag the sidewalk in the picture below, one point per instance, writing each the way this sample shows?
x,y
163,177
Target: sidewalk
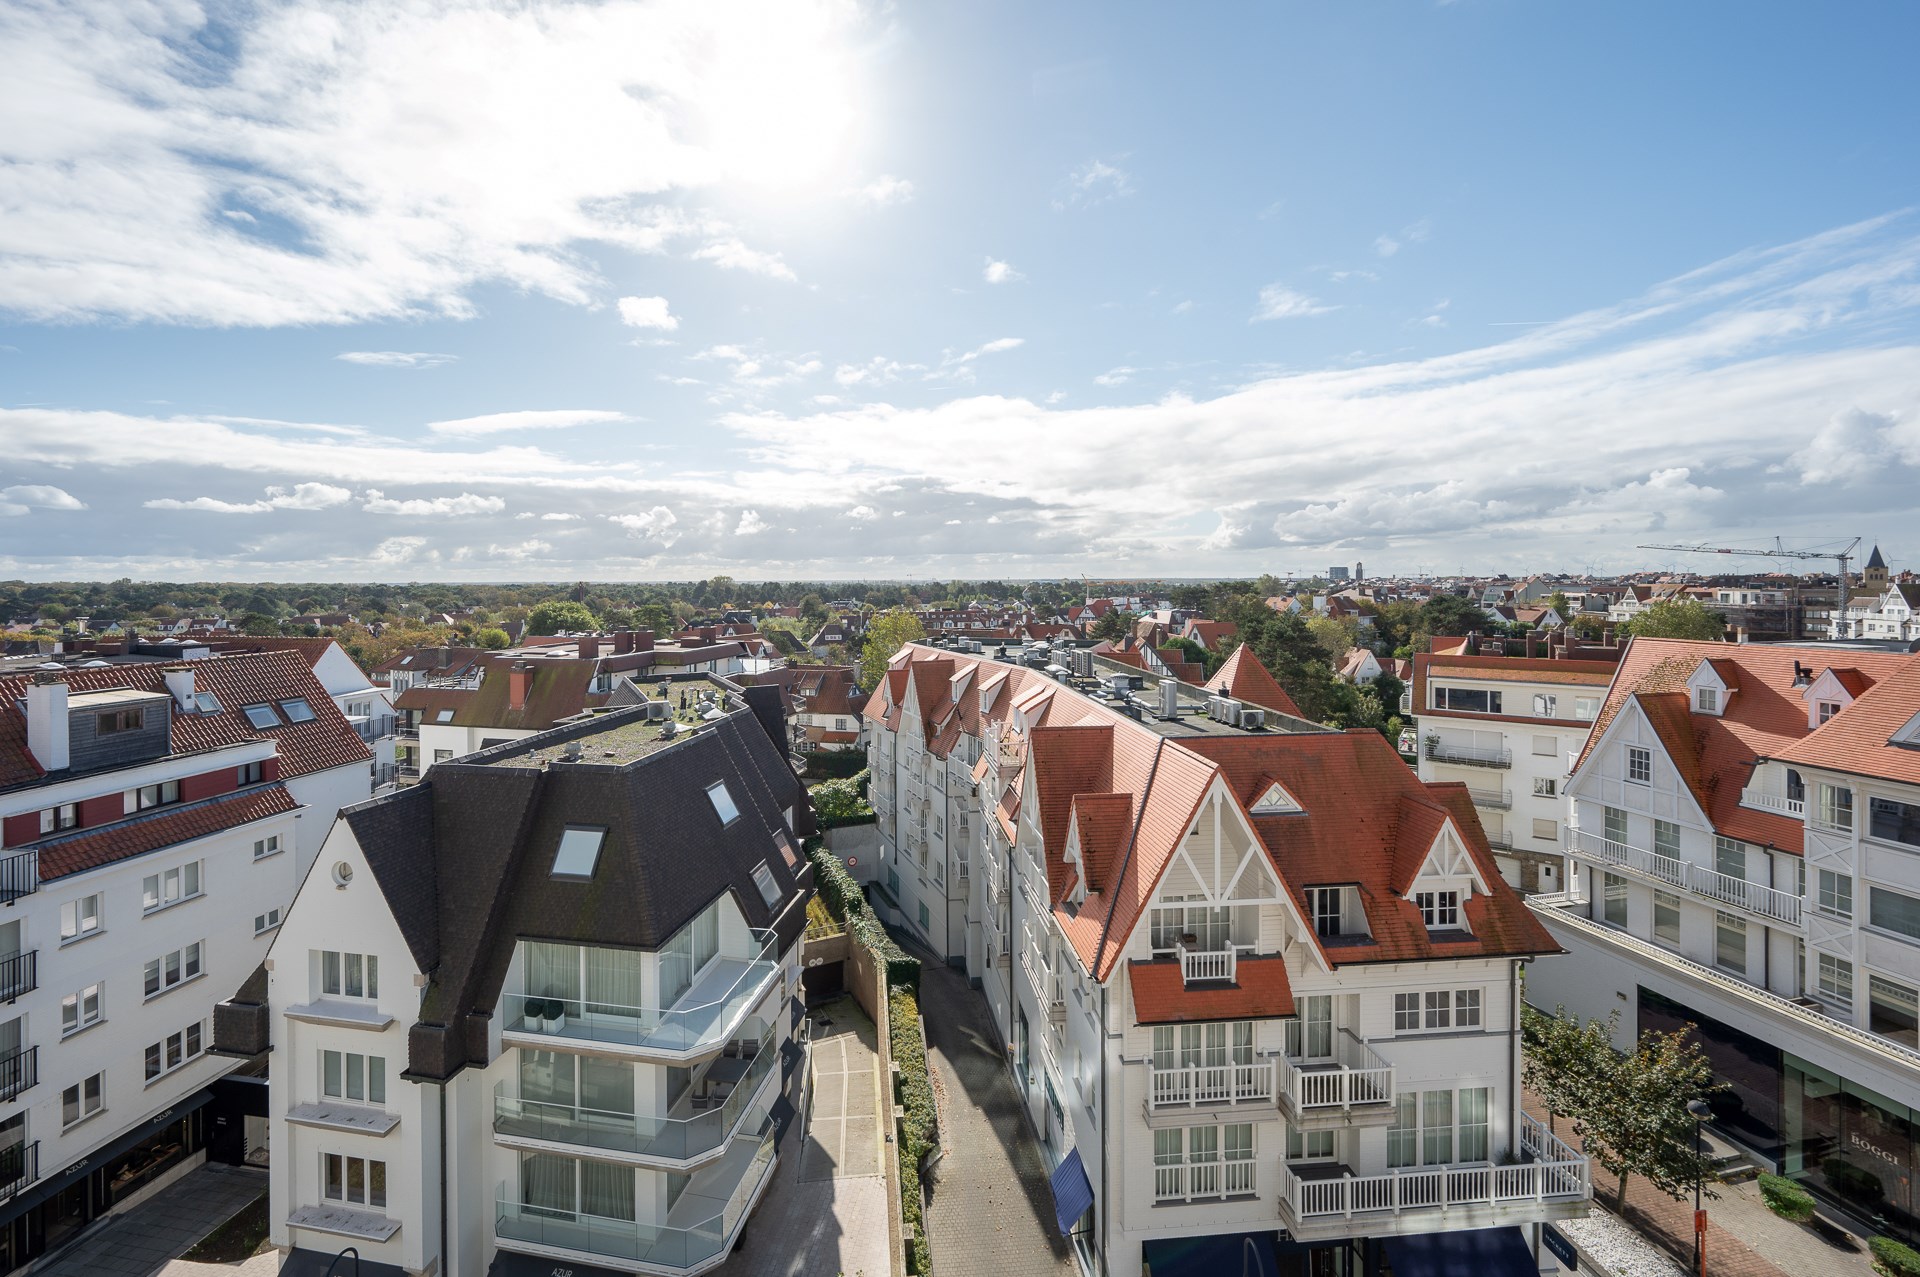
x,y
143,1240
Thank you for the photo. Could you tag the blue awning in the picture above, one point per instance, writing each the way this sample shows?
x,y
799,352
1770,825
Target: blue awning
x,y
1222,1255
1482,1252
1072,1194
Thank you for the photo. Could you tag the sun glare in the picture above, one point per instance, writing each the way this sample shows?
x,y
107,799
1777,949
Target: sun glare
x,y
780,101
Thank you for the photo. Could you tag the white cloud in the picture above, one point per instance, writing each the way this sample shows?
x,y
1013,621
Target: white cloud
x,y
750,523
532,547
886,189
732,254
998,272
395,358
1386,246
1115,376
534,419
308,162
1849,448
1183,308
302,496
398,550
466,503
1095,182
877,371
24,497
1280,302
647,312
656,524
862,513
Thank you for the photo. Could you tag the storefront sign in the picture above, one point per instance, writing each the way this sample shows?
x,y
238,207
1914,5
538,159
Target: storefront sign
x,y
1562,1248
1867,1146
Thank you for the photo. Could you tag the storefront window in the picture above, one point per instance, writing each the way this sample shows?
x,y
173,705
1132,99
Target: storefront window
x,y
1894,1010
1850,1144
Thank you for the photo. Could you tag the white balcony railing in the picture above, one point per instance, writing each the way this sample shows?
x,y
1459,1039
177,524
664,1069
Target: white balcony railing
x,y
1756,898
1553,1172
1356,1076
1206,964
1191,1086
1494,799
1188,1181
1440,750
1795,807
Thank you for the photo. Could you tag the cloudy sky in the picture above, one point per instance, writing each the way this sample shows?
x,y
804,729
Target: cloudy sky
x,y
445,290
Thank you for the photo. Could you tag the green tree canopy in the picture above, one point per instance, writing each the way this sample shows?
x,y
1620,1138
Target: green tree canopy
x,y
1678,619
1446,614
887,633
1114,624
556,615
492,638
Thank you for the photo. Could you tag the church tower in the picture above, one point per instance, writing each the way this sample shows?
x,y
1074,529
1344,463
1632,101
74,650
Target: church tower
x,y
1874,579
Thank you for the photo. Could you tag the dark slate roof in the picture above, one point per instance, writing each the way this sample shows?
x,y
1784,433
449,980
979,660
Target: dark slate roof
x,y
464,859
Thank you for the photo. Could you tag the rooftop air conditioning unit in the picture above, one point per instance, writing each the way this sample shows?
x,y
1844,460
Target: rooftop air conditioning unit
x,y
1252,719
1224,709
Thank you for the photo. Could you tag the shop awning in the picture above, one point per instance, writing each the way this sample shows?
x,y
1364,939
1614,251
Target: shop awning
x,y
1072,1194
328,1263
54,1178
1480,1252
1222,1255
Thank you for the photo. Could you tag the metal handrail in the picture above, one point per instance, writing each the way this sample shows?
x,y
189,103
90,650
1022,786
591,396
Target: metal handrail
x,y
19,874
1755,897
19,1167
1439,751
19,1071
19,973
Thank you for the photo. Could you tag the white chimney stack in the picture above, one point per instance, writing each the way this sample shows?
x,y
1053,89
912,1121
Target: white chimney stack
x,y
180,683
47,721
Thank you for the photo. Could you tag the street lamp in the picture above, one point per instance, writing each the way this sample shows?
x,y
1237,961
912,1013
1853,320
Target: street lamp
x,y
1701,1111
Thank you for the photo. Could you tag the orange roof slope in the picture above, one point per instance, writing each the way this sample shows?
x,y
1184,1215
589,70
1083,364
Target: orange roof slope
x,y
1260,990
1244,678
1859,739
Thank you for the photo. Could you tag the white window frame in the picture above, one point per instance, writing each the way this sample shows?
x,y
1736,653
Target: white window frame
x,y
162,975
346,1196
89,1007
344,972
1639,765
1439,910
74,916
174,1052
265,922
372,1077
268,846
90,1100
169,887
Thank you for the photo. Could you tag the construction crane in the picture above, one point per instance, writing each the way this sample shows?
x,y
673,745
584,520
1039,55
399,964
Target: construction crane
x,y
1780,551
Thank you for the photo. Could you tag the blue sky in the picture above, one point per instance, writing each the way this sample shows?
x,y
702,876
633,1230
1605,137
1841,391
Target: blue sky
x,y
443,291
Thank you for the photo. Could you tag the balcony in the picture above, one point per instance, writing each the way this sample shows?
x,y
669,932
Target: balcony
x,y
1777,803
1201,1180
705,1018
19,1167
19,974
1442,751
1767,903
408,731
1184,1088
695,1236
19,874
1197,965
1492,799
699,1125
19,1072
1318,1093
1324,1200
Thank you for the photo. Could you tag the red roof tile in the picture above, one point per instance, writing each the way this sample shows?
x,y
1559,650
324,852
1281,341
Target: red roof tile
x,y
1244,678
1260,990
77,853
1859,739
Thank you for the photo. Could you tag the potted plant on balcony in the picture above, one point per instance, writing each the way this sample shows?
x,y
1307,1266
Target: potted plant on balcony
x,y
556,1017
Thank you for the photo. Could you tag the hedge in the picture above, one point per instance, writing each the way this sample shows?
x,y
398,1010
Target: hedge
x,y
839,799
1786,1199
1893,1258
844,899
921,1128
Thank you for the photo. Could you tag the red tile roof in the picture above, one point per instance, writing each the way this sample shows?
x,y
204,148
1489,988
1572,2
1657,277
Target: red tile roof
x,y
1859,739
1244,678
325,741
1260,990
77,853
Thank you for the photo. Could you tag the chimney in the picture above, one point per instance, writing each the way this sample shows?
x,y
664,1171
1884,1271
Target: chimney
x,y
519,683
589,648
1533,644
1606,633
47,721
622,642
643,640
180,683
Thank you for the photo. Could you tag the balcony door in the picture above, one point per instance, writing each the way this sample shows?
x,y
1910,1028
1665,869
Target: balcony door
x,y
576,1189
1310,1037
583,1090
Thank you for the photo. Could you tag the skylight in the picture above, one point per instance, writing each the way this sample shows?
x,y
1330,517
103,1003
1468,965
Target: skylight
x,y
578,853
444,716
723,802
406,660
206,702
297,711
763,879
262,716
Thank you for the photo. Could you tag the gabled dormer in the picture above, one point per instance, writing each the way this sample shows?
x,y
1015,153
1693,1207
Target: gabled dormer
x,y
1712,683
1447,879
1908,735
1274,800
1831,692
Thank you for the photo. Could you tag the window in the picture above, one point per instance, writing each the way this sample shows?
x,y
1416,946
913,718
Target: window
x,y
248,774
1466,1008
81,1010
177,1049
1666,839
171,969
1730,857
297,711
1639,764
722,802
1586,708
1886,819
1436,1009
167,791
1544,705
926,920
1616,824
1403,1137
1439,910
1893,1010
1309,1146
80,917
1825,710
1474,1106
1707,700
1894,911
1467,699
1406,1012
1835,979
357,1181
1666,917
1436,1123
206,702
1326,903
579,851
444,716
442,755
1236,1151
170,886
1545,787
119,720
83,1099
763,879
268,846
1836,807
1836,894
1545,747
1730,942
1548,829
349,975
347,1075
65,816
261,716
263,922
1613,900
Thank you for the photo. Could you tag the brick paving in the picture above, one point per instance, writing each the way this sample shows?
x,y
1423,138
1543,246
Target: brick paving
x,y
1744,1238
141,1241
992,1212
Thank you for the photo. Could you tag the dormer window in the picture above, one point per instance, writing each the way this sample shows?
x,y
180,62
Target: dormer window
x,y
1707,700
1336,912
1275,800
1824,710
1439,910
722,801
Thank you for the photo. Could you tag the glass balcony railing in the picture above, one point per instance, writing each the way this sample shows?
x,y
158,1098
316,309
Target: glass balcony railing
x,y
696,1134
701,1020
697,1242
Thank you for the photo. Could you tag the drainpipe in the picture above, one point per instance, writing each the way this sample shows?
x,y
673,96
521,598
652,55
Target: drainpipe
x,y
1106,1182
442,1088
1513,1052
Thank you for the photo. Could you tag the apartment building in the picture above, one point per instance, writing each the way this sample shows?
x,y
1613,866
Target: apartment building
x,y
151,824
1257,982
535,1014
367,707
1745,838
1508,729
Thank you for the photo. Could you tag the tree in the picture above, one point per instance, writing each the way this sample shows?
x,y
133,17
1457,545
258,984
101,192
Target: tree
x,y
556,615
1558,602
887,633
1678,619
1113,624
492,638
258,624
1630,1111
1336,637
1446,614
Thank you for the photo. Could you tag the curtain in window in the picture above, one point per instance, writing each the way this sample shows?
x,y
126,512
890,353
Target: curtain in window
x,y
1316,1013
676,968
1192,1046
706,936
613,981
547,1183
1164,1054
553,970
1473,1124
606,1190
1436,1116
1403,1135
606,1085
1216,1045
1243,1042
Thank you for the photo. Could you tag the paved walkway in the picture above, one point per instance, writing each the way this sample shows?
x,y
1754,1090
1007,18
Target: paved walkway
x,y
992,1212
825,1214
139,1242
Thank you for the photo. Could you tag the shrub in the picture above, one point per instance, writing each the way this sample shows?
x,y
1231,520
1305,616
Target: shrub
x,y
922,1124
1786,1199
1893,1258
845,901
839,802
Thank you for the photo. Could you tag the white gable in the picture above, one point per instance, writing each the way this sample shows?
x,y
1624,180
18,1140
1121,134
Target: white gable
x,y
1707,679
1448,866
1827,689
1275,799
